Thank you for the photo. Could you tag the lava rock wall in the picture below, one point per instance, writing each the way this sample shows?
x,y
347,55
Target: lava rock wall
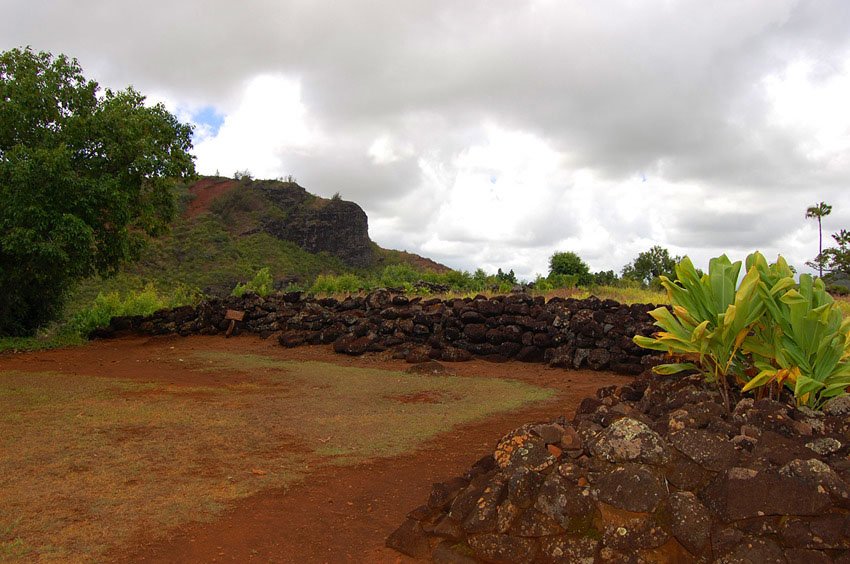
x,y
569,333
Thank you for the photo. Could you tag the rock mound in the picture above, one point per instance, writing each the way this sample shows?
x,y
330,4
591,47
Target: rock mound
x,y
655,471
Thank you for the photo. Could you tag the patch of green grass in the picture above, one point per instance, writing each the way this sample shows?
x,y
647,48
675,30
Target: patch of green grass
x,y
359,413
11,545
51,337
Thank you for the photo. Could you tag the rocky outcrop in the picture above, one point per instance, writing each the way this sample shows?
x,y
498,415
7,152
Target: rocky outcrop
x,y
569,333
655,471
336,227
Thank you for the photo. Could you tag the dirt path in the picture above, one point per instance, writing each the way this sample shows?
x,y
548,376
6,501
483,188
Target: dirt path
x,y
340,514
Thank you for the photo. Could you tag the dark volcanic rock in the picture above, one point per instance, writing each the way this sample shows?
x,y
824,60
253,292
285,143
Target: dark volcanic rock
x,y
690,521
741,493
337,227
504,548
410,539
663,477
633,487
630,440
710,450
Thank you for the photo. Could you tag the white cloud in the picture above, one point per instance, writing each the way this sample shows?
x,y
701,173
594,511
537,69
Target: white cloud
x,y
269,123
494,133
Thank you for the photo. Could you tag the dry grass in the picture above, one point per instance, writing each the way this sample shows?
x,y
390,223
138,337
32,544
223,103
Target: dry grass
x,y
843,303
624,295
91,462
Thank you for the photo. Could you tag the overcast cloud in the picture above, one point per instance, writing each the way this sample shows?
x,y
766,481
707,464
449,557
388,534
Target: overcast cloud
x,y
492,134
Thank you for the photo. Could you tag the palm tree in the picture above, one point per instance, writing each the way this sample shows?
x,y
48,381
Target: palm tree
x,y
818,211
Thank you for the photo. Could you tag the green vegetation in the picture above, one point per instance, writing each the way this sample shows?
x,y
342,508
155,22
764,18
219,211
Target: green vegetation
x,y
819,211
262,284
75,326
836,259
648,267
415,281
142,302
83,179
766,333
569,263
620,293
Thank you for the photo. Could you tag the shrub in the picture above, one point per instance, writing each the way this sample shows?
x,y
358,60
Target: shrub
x,y
838,290
398,276
140,302
766,333
343,284
262,284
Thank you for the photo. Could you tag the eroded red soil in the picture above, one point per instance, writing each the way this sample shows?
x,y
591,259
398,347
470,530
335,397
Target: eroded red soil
x,y
339,514
204,192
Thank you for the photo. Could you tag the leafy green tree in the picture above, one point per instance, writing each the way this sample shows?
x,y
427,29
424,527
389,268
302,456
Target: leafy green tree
x,y
819,211
84,179
651,264
569,263
836,259
508,277
605,278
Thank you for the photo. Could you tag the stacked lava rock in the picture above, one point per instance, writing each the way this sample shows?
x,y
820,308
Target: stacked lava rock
x,y
568,333
655,471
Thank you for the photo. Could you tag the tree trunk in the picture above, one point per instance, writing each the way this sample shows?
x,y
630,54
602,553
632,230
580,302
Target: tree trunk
x,y
820,250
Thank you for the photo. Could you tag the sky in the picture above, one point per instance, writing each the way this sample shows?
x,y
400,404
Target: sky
x,y
494,133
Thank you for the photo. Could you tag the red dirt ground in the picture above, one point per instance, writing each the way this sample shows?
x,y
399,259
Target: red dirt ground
x,y
339,514
205,191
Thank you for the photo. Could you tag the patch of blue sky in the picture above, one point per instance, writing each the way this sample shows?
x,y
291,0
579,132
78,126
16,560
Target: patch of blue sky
x,y
208,121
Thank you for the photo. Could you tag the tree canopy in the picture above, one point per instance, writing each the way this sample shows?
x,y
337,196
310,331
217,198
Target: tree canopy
x,y
651,264
85,177
570,264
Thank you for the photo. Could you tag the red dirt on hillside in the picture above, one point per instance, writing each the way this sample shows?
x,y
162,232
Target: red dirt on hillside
x,y
339,514
205,191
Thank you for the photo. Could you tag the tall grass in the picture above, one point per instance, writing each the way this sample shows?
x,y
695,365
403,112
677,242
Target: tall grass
x,y
143,302
75,327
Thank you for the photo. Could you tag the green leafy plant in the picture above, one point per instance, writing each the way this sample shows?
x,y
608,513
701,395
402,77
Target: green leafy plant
x,y
709,321
763,334
262,284
803,341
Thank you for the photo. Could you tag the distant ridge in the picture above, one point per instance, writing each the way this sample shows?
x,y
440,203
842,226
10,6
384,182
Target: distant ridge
x,y
288,212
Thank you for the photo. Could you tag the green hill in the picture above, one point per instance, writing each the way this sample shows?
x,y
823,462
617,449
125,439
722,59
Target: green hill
x,y
227,230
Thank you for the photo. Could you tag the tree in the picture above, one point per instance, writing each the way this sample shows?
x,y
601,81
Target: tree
x,y
605,278
508,277
570,264
651,264
84,179
836,259
819,211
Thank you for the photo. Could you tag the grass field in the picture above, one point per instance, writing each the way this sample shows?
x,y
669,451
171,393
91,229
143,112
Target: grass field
x,y
90,461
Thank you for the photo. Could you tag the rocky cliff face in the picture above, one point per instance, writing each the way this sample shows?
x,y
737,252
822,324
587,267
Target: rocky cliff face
x,y
334,226
337,227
